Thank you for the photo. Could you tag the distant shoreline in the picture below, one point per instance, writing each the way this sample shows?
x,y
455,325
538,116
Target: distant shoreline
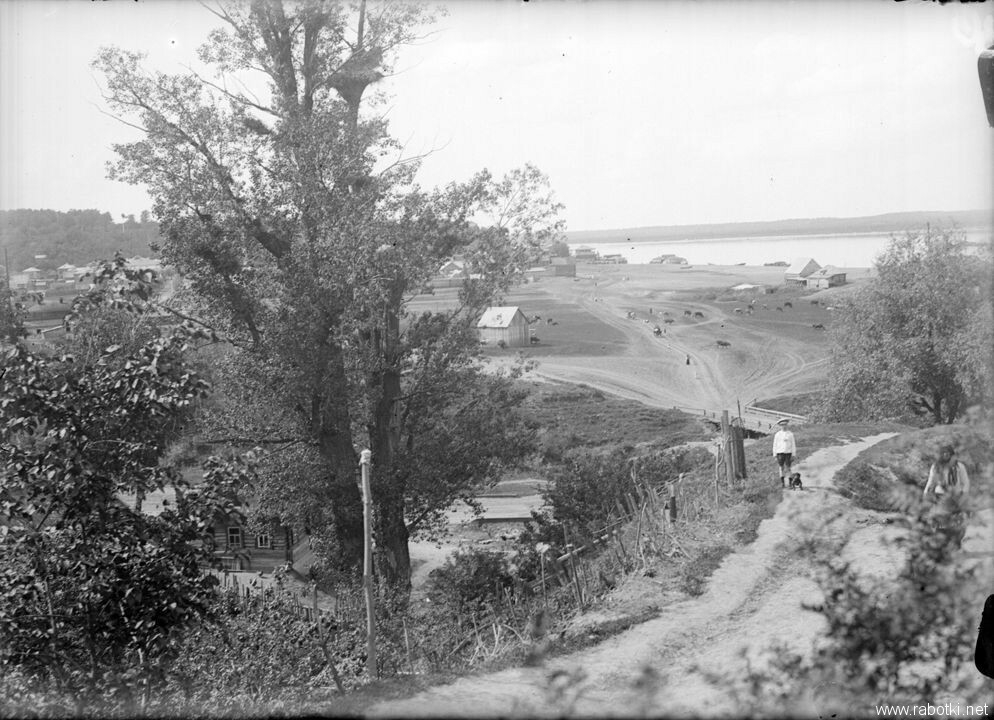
x,y
965,220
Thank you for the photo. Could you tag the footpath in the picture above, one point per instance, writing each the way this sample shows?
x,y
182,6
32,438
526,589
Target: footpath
x,y
660,667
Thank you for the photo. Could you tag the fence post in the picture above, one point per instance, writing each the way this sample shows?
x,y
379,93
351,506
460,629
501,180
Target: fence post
x,y
365,461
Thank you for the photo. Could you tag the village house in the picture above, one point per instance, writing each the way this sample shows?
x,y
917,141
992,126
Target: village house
x,y
799,270
504,324
826,277
614,259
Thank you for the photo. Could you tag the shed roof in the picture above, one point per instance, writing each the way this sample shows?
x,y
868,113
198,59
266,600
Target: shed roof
x,y
498,316
802,266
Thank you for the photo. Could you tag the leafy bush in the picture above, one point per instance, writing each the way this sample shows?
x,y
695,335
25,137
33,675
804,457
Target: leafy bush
x,y
469,580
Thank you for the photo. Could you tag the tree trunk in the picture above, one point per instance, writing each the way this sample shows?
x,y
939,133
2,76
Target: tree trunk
x,y
333,427
385,437
392,541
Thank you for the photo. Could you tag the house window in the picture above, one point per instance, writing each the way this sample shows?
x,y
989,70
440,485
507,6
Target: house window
x,y
235,537
264,541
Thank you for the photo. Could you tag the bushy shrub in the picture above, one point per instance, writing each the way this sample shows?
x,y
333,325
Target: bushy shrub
x,y
470,580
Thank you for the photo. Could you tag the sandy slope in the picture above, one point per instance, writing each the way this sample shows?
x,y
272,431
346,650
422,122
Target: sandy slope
x,y
755,597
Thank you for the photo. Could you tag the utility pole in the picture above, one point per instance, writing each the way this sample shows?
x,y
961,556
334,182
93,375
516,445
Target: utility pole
x,y
365,462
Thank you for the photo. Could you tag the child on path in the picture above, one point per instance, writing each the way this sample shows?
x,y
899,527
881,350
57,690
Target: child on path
x,y
784,449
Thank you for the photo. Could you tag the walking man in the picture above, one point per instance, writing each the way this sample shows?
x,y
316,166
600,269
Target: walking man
x,y
784,449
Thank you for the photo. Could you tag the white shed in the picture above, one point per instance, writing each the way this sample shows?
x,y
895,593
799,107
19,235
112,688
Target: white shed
x,y
505,323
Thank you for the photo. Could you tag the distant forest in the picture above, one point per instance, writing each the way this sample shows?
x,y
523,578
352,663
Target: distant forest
x,y
891,222
75,237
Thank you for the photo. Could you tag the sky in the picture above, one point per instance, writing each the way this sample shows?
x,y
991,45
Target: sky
x,y
641,113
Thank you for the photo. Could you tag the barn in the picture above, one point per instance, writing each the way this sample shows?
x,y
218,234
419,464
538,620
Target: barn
x,y
799,270
507,324
826,277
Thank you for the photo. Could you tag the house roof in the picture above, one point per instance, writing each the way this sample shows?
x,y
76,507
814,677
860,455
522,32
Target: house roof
x,y
498,317
828,271
800,265
67,266
31,269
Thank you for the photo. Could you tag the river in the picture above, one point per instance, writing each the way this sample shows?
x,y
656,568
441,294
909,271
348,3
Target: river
x,y
847,251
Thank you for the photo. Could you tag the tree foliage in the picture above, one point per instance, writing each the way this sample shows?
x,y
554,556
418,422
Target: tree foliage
x,y
94,595
297,224
917,339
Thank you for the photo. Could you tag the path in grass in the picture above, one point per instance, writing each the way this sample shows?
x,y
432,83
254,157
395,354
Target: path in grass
x,y
754,598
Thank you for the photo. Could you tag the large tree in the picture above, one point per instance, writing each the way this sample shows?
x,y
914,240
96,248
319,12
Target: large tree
x,y
917,338
297,224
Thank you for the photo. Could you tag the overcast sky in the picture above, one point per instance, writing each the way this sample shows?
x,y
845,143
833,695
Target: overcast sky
x,y
641,113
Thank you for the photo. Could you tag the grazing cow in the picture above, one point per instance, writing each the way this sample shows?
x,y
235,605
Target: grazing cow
x,y
814,302
699,315
548,321
554,322
533,340
788,305
779,308
657,331
738,311
724,344
818,326
829,308
631,314
668,321
687,313
753,301
666,312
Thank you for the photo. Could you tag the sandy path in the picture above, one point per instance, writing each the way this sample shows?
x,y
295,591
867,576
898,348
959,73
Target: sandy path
x,y
753,598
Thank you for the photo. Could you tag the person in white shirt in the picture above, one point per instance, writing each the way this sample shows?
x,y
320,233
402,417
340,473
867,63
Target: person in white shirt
x,y
784,449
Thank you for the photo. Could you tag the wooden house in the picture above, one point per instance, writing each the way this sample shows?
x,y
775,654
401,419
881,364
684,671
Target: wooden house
x,y
799,270
507,324
237,547
826,277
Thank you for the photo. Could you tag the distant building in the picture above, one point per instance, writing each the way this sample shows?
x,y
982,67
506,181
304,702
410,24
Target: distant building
x,y
453,268
826,277
562,267
614,259
661,259
66,271
675,260
585,254
799,270
504,323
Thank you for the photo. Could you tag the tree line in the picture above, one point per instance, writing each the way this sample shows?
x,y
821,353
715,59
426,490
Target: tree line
x,y
76,237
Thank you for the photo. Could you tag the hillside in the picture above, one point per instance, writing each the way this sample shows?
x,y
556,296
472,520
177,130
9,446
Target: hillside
x,y
891,222
76,237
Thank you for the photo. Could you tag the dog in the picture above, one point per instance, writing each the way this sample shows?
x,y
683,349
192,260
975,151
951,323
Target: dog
x,y
795,481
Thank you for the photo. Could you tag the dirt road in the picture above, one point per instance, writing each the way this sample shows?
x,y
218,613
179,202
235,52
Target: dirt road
x,y
761,360
753,599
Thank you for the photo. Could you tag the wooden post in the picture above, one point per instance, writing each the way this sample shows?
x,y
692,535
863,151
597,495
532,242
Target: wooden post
x,y
367,564
726,437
